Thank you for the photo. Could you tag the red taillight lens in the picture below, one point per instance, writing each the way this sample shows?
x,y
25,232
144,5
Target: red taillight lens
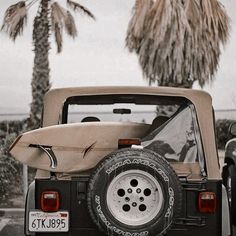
x,y
128,142
50,201
207,202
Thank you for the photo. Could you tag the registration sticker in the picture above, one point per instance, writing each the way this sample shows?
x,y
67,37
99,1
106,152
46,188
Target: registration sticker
x,y
48,222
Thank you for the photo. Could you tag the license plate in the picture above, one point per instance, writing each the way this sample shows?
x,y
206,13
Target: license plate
x,y
48,222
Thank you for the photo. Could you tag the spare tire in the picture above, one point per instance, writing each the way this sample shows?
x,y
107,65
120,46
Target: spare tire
x,y
134,193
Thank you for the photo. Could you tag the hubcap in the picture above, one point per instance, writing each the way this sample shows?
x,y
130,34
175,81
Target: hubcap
x,y
134,197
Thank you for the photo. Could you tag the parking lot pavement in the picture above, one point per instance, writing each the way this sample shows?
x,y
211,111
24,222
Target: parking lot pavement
x,y
11,227
11,222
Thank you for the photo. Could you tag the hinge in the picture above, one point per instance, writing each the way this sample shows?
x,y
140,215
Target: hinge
x,y
191,221
82,184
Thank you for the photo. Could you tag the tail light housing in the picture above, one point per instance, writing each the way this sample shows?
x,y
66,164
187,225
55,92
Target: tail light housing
x,y
50,201
207,202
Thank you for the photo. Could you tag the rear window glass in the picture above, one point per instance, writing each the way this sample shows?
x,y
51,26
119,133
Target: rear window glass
x,y
173,131
121,108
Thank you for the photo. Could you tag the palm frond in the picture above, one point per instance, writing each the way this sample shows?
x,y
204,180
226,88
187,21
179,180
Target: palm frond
x,y
58,37
217,20
58,16
70,25
161,41
210,28
15,19
58,13
76,6
178,41
136,28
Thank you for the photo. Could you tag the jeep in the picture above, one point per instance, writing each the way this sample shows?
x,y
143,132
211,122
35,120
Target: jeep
x,y
130,161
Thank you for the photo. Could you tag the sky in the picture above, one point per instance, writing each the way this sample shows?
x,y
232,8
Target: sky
x,y
97,57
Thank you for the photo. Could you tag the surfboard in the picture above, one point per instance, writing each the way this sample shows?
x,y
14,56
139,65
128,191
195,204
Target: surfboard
x,y
77,147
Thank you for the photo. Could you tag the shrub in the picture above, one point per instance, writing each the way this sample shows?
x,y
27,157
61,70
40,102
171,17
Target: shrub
x,y
222,132
10,169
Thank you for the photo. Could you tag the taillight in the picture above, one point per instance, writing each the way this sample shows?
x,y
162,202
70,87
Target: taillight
x,y
122,143
207,202
50,201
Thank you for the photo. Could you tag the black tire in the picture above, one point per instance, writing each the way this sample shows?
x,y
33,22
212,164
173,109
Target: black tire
x,y
229,172
151,167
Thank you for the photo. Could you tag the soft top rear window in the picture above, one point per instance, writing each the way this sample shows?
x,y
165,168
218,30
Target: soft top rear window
x,y
173,131
120,107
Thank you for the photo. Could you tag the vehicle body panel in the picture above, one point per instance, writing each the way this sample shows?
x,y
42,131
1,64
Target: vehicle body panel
x,y
230,151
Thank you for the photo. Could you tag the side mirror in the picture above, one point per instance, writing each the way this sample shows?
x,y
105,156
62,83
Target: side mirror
x,y
232,129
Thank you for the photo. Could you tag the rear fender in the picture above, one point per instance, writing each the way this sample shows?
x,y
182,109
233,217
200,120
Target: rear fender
x,y
29,204
230,152
225,213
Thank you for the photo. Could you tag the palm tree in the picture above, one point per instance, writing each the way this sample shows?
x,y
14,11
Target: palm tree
x,y
51,17
178,41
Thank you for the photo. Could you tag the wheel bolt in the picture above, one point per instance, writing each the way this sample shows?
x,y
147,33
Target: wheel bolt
x,y
129,190
134,204
138,190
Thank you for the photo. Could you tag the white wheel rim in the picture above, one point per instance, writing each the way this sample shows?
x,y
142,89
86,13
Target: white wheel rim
x,y
134,197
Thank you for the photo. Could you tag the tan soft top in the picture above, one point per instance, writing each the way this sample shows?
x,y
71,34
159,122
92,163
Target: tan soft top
x,y
202,101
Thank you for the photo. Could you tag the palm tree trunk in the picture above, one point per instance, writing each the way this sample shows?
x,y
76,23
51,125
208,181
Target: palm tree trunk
x,y
40,82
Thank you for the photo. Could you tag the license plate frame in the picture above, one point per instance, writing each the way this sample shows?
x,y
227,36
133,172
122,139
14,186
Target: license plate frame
x,y
40,221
